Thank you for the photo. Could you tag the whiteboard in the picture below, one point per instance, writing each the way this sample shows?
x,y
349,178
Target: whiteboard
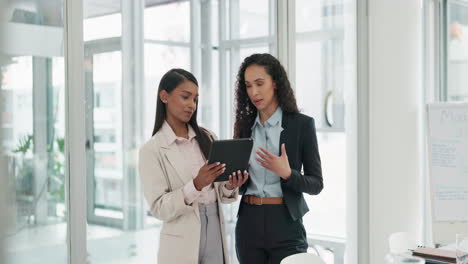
x,y
448,161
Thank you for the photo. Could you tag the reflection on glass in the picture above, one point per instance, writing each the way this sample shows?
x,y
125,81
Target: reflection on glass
x,y
309,78
34,146
324,63
457,64
107,124
35,12
33,130
321,62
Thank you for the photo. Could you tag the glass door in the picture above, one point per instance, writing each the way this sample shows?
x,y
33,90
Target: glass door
x,y
325,86
103,78
119,229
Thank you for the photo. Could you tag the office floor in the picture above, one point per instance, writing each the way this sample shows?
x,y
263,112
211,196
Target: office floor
x,y
42,244
46,244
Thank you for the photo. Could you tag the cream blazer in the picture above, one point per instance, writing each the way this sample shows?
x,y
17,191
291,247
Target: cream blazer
x,y
164,173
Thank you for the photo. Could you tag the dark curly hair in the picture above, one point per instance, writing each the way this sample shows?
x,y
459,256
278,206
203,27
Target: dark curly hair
x,y
246,112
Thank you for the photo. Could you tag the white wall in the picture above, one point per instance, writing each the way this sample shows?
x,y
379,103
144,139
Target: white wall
x,y
395,96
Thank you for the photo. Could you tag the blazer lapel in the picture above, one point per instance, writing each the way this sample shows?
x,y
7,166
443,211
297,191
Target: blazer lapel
x,y
284,134
173,155
176,160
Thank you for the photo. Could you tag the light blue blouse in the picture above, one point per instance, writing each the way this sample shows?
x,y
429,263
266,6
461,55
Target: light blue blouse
x,y
263,182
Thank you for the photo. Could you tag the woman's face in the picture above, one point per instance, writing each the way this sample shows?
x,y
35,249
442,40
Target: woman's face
x,y
260,87
181,103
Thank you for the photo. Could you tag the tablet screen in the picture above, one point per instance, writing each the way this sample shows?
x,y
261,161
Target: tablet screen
x,y
235,153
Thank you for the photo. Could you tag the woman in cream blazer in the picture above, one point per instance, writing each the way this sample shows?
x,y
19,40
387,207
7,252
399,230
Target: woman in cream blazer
x,y
172,186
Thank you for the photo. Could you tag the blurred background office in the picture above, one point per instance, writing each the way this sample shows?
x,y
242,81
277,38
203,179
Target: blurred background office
x,y
78,87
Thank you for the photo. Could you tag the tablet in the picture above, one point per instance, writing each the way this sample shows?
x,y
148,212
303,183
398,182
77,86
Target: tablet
x,y
235,153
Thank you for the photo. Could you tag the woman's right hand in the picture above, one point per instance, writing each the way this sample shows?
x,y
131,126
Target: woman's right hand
x,y
207,174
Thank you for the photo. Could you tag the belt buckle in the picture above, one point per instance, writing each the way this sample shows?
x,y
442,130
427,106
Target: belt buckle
x,y
261,201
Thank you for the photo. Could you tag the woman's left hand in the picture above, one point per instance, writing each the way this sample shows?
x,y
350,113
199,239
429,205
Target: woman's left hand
x,y
236,180
277,164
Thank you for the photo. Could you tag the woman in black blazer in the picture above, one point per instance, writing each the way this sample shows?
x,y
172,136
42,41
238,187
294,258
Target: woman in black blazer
x,y
284,164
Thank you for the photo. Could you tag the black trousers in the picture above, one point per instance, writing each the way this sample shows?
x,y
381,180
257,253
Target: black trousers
x,y
267,234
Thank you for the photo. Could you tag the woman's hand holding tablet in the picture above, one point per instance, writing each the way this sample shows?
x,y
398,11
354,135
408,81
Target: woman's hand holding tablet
x,y
237,180
207,174
235,153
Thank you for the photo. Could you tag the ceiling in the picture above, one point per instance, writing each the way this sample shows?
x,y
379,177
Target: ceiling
x,y
51,11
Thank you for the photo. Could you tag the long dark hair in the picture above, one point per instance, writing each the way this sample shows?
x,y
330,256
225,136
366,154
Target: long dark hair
x,y
245,110
168,83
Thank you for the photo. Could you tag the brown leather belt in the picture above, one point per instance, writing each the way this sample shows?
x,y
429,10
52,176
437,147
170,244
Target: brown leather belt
x,y
254,200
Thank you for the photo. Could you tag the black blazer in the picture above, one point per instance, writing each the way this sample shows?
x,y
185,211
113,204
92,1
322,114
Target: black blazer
x,y
300,138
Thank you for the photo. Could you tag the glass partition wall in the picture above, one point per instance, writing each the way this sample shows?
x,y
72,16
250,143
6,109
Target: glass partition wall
x,y
325,70
32,90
